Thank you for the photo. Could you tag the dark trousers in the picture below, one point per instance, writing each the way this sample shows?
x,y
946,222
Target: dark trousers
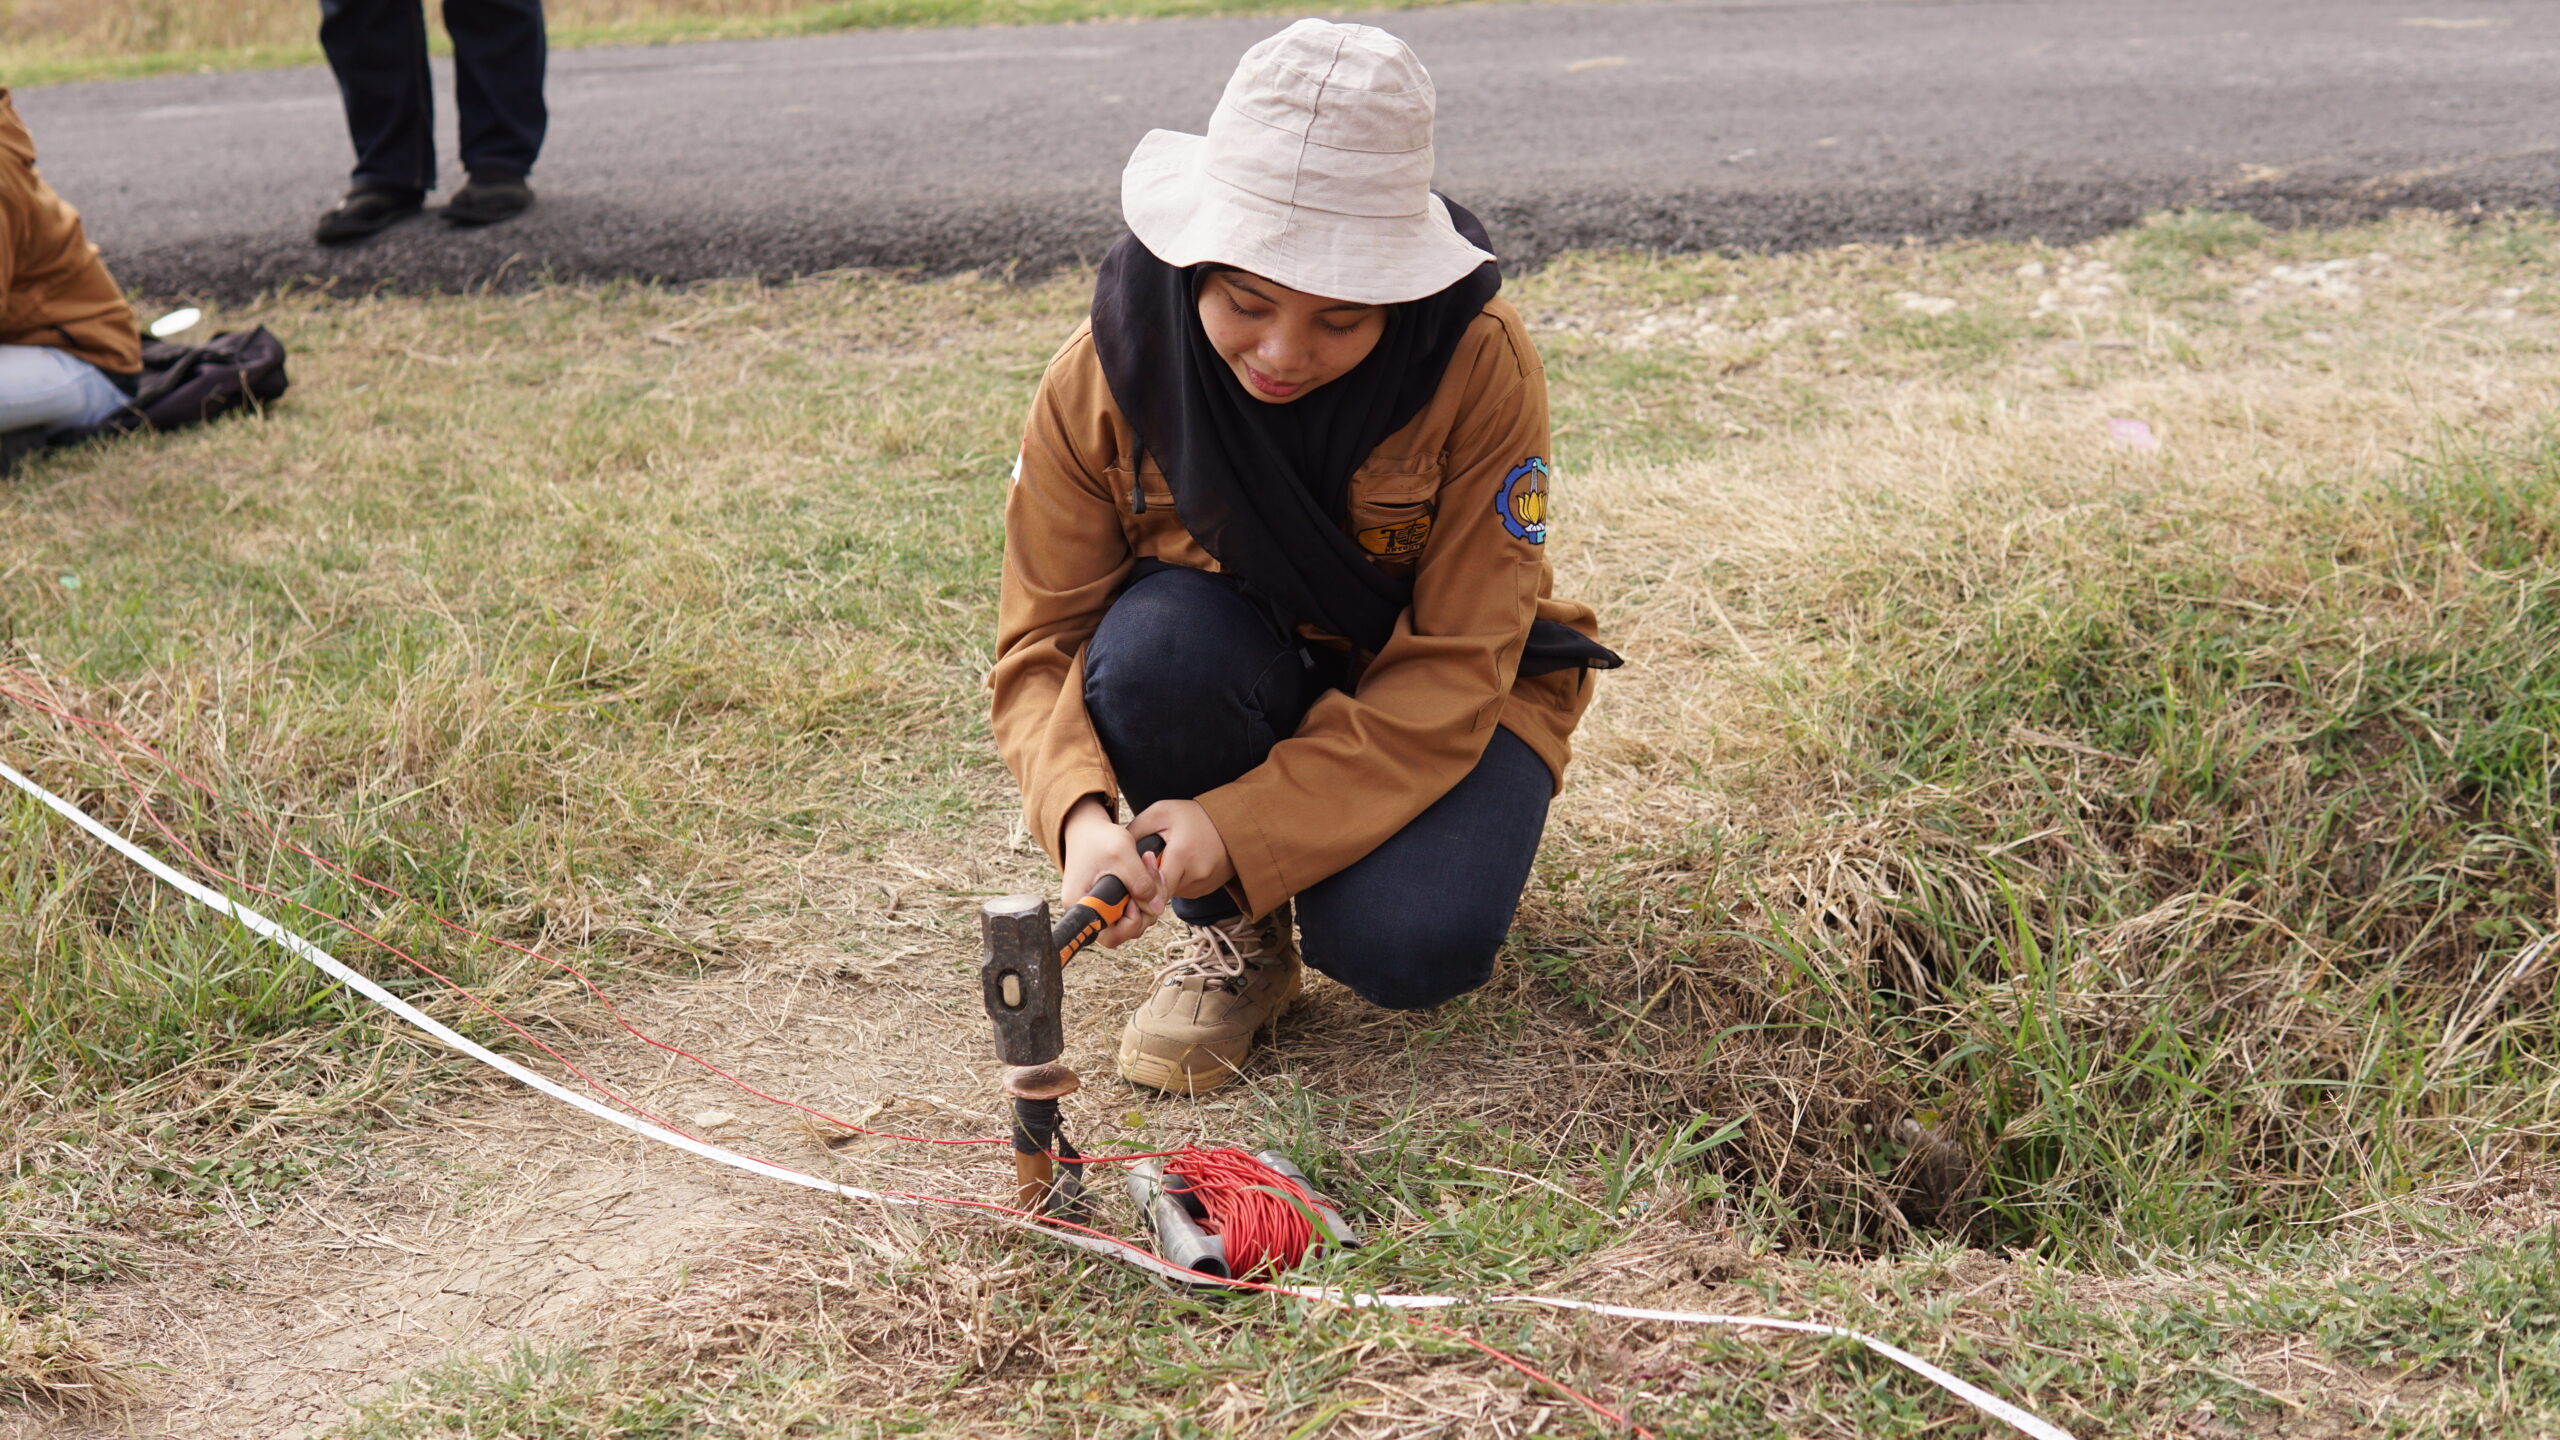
x,y
1190,684
378,51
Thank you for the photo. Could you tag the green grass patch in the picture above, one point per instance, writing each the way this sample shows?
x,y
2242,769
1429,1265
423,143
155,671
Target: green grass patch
x,y
2183,237
2261,802
539,1392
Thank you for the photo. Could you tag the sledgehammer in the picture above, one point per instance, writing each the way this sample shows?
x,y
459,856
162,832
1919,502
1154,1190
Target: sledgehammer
x,y
1021,975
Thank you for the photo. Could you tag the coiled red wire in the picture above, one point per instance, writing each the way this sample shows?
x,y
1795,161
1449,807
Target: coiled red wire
x,y
1246,1202
1249,1205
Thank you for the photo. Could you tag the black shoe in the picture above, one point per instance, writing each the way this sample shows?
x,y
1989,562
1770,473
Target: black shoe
x,y
367,210
489,199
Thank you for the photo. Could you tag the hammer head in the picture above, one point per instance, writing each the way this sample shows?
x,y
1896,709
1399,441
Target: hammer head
x,y
1021,979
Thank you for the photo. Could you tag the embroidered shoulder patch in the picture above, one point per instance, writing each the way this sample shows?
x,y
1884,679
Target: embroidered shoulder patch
x,y
1405,537
1522,501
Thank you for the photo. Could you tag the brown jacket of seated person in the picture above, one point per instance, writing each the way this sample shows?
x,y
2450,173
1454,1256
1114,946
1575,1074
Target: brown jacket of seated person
x,y
54,290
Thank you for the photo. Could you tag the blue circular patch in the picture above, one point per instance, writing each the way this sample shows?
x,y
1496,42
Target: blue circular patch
x,y
1522,501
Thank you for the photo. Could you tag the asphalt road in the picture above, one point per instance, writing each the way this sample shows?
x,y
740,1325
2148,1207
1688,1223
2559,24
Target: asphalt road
x,y
1776,124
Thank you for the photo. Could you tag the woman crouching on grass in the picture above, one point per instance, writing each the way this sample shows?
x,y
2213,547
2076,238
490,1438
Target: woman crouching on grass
x,y
1273,567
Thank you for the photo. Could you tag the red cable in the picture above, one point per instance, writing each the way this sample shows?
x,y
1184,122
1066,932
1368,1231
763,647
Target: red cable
x,y
1265,1234
1263,1231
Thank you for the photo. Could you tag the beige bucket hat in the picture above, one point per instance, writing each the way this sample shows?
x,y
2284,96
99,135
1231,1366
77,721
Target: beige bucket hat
x,y
1316,172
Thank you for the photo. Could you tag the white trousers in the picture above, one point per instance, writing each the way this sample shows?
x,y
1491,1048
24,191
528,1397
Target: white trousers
x,y
48,389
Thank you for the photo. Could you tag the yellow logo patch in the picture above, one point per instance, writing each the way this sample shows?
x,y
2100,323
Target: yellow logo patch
x,y
1405,537
1522,503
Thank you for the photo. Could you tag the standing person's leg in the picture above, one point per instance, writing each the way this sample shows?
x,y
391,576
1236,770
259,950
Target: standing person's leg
x,y
1416,922
378,51
1189,685
499,55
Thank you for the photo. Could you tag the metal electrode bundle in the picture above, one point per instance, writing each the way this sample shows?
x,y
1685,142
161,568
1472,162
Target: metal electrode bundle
x,y
1228,1214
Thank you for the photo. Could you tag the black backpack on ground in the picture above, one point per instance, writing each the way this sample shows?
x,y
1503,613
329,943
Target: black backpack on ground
x,y
189,384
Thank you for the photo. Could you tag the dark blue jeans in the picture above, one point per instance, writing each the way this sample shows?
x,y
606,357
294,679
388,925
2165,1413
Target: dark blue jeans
x,y
1190,684
378,51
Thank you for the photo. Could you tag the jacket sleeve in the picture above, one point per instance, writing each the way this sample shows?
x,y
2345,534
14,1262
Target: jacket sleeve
x,y
1364,764
14,214
1064,557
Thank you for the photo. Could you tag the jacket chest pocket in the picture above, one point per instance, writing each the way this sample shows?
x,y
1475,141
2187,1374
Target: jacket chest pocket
x,y
1147,518
1392,515
1140,491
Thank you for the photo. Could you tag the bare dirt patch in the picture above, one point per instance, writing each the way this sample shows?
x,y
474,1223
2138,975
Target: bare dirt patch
x,y
502,1228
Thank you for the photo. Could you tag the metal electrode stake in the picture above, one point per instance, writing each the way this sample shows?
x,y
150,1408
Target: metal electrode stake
x,y
1020,975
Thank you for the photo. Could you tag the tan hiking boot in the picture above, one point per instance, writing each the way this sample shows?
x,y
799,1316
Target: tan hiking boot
x,y
1222,982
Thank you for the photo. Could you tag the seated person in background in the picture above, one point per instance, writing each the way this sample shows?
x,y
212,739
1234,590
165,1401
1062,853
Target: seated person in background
x,y
70,352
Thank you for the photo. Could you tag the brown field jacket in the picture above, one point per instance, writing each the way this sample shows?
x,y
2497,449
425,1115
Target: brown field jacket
x,y
1363,763
54,290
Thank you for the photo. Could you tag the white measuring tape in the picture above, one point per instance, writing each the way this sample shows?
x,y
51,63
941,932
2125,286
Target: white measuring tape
x,y
1128,1254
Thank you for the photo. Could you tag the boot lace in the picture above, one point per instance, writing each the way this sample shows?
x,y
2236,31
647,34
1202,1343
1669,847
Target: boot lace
x,y
1218,953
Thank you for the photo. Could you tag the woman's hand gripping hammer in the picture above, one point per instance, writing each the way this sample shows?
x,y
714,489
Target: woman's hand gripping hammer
x,y
1098,911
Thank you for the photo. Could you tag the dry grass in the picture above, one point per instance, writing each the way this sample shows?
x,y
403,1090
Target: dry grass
x,y
46,1363
2114,861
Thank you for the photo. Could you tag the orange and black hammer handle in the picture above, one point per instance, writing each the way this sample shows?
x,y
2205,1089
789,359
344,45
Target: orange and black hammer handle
x,y
1099,911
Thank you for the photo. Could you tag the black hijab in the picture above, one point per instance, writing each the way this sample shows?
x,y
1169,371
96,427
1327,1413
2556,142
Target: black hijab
x,y
1264,488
